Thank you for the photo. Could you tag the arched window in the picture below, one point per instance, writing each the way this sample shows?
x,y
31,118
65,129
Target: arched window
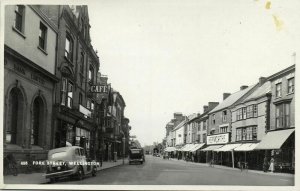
x,y
15,117
37,121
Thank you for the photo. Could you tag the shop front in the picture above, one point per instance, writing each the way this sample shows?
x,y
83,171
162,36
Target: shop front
x,y
279,145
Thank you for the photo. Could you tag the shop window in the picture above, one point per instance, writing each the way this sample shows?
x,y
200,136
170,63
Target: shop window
x,y
42,36
69,48
283,115
278,90
19,18
291,84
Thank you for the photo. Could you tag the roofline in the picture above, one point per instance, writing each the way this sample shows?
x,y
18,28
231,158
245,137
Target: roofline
x,y
273,76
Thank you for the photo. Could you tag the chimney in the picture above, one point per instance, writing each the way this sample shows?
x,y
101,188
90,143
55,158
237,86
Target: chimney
x,y
243,87
205,108
226,95
262,80
212,105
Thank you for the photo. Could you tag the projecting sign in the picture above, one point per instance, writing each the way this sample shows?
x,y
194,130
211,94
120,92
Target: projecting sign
x,y
218,139
99,89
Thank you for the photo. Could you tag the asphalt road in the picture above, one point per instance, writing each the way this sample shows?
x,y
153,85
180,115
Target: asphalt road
x,y
158,171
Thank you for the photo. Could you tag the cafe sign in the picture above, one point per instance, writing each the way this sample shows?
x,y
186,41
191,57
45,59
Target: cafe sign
x,y
218,139
99,89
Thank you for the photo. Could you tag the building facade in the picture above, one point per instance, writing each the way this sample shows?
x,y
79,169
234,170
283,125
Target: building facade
x,y
29,82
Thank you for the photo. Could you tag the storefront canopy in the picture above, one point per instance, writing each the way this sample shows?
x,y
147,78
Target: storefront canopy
x,y
187,147
246,147
228,147
274,139
170,149
197,146
211,148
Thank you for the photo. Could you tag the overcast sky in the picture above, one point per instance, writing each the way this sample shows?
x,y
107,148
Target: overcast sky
x,y
176,56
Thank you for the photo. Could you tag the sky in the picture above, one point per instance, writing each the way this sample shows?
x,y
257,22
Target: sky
x,y
167,56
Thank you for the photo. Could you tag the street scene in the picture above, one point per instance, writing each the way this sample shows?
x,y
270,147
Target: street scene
x,y
159,171
108,93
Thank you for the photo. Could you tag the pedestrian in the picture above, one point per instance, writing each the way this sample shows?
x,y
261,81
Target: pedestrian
x,y
271,168
265,164
240,166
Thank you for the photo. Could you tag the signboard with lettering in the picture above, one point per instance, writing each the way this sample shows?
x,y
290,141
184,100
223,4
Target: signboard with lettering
x,y
218,139
99,89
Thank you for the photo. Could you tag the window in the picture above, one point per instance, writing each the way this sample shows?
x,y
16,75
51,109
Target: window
x,y
80,99
254,110
69,48
223,129
246,133
224,116
81,62
291,84
19,18
283,115
92,105
204,138
244,112
204,125
67,93
278,90
213,119
199,138
88,104
42,36
91,73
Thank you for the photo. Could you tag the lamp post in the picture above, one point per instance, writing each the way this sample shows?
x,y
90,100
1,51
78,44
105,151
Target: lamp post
x,y
123,139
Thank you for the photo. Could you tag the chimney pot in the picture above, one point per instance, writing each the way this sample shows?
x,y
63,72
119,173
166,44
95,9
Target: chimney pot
x,y
243,87
262,80
226,95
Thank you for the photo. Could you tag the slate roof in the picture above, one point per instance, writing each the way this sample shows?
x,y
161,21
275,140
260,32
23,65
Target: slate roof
x,y
260,91
230,100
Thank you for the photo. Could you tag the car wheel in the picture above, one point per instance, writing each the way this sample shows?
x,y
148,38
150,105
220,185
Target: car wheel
x,y
53,180
79,173
94,171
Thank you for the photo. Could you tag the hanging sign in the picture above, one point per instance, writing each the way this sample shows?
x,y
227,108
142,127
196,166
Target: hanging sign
x,y
99,89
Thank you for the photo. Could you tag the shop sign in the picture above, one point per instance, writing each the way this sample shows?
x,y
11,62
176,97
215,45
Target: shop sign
x,y
99,89
218,139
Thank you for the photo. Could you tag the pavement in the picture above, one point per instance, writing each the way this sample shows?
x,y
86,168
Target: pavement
x,y
39,178
237,169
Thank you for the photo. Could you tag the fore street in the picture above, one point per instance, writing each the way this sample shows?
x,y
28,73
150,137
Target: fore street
x,y
158,171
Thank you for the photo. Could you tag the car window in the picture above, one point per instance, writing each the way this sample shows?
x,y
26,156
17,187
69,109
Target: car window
x,y
59,154
82,152
77,152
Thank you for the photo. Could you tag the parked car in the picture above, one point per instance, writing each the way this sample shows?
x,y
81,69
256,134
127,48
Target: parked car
x,y
136,155
69,162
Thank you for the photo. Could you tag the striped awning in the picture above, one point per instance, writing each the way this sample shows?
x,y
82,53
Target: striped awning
x,y
187,147
211,148
197,146
228,147
246,147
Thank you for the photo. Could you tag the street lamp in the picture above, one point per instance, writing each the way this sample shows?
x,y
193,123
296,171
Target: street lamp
x,y
123,139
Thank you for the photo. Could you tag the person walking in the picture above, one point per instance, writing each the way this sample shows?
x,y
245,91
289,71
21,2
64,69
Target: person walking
x,y
271,168
265,164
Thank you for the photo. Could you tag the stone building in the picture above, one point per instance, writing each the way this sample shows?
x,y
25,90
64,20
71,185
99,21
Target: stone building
x,y
29,82
76,69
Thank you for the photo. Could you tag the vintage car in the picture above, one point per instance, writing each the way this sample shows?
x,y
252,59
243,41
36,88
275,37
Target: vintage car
x,y
136,155
69,162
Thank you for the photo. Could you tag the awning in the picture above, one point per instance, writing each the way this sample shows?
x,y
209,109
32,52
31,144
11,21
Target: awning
x,y
187,147
228,147
170,149
274,139
246,147
197,146
212,148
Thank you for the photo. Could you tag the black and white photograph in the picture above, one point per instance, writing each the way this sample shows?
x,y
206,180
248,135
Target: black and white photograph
x,y
149,94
